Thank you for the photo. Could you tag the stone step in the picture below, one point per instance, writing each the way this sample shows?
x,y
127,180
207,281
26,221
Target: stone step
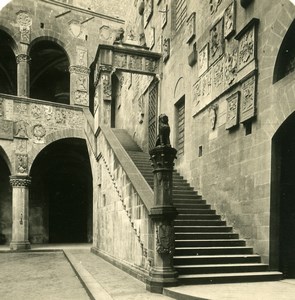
x,y
221,268
213,250
229,277
188,202
194,211
205,235
189,222
184,207
210,243
202,229
200,216
215,259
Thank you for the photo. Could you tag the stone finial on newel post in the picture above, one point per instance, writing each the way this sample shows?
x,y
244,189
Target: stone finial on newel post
x,y
163,213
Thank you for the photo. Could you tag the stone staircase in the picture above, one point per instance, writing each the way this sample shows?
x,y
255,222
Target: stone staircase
x,y
206,249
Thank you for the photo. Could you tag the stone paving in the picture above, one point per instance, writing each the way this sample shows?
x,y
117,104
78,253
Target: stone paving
x,y
40,276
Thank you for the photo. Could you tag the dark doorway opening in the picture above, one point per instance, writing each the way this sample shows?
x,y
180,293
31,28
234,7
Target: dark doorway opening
x,y
61,196
283,200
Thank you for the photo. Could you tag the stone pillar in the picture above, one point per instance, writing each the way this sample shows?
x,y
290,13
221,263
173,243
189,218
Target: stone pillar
x,y
20,212
103,100
79,85
162,273
23,75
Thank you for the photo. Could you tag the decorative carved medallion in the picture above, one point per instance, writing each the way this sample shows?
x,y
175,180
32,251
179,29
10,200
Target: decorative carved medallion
x,y
105,32
191,27
165,239
23,18
230,20
203,60
39,132
166,49
216,41
248,99
148,11
20,129
6,129
21,163
232,116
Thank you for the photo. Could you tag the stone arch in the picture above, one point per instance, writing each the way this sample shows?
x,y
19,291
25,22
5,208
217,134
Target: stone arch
x,y
179,88
6,159
11,33
55,136
286,55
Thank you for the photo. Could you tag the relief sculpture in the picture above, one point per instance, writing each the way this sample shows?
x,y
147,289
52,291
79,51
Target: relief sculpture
x,y
165,239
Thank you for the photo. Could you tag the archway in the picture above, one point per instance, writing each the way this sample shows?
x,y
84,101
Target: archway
x,y
61,194
5,203
283,199
8,68
49,72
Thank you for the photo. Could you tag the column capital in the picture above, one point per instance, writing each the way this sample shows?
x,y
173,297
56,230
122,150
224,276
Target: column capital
x,y
20,181
22,58
79,70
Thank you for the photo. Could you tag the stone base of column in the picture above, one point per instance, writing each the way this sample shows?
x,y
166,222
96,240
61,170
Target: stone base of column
x,y
20,245
159,279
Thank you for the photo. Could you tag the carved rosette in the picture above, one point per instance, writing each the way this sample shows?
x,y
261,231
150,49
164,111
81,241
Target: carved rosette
x,y
20,181
165,238
39,132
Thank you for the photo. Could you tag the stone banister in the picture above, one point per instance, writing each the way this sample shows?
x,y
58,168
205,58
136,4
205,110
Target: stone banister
x,y
144,191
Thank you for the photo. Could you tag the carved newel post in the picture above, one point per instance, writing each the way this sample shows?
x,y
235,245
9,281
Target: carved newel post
x,y
20,212
162,273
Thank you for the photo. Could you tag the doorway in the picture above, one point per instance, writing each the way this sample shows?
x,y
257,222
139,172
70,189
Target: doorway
x,y
283,200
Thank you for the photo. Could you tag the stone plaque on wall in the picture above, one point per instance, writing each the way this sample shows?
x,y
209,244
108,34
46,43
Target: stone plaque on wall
x,y
166,49
191,27
81,56
164,16
6,129
216,42
203,60
247,44
232,115
230,20
148,11
248,99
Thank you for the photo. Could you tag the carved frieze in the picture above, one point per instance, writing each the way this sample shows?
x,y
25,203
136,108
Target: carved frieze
x,y
213,5
135,62
79,70
39,132
148,11
18,181
166,49
60,116
150,65
20,129
232,115
20,108
216,42
191,28
248,99
22,58
21,163
120,60
165,239
203,60
36,111
230,65
75,118
2,110
6,129
48,113
230,20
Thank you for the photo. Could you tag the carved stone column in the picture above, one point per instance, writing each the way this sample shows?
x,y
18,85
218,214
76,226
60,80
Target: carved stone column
x,y
102,105
79,79
23,75
162,273
20,212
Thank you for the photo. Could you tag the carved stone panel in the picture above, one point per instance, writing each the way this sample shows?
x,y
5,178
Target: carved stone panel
x,y
191,28
165,239
232,115
230,20
20,108
135,62
6,130
248,99
196,94
203,60
106,86
39,133
148,11
120,60
166,49
25,35
231,65
21,163
81,98
24,22
21,146
216,42
213,5
20,129
81,56
218,74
